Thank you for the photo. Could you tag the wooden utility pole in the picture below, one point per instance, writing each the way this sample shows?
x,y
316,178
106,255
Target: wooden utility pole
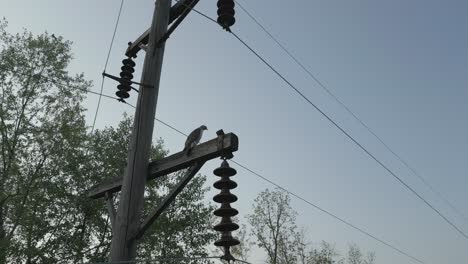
x,y
127,221
128,225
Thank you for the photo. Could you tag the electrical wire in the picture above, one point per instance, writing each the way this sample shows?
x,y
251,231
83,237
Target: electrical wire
x,y
106,63
242,261
400,180
329,213
124,102
366,233
351,137
198,12
354,115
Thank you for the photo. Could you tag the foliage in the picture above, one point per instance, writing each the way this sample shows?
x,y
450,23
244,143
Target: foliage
x,y
49,161
42,130
273,226
326,254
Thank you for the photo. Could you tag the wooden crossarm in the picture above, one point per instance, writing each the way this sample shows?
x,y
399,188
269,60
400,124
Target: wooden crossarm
x,y
199,154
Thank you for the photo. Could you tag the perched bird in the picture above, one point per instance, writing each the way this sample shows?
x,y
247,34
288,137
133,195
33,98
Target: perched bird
x,y
193,139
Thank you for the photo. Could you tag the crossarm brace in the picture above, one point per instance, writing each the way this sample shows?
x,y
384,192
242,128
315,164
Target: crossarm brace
x,y
115,78
176,10
189,174
110,208
179,20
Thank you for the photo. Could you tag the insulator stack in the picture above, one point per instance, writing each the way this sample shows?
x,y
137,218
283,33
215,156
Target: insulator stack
x,y
225,198
226,13
126,76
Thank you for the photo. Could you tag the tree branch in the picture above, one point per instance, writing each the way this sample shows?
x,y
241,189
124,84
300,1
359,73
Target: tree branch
x,y
26,195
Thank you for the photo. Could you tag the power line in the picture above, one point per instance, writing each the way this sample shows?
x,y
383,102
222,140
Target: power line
x,y
329,213
350,137
198,12
342,104
118,99
106,63
81,89
368,234
342,130
100,94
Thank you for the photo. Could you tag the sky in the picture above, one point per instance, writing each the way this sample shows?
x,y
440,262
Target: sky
x,y
401,66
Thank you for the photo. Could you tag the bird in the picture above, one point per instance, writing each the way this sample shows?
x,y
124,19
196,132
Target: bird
x,y
194,138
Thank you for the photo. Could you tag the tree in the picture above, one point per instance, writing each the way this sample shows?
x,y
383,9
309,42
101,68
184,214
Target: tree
x,y
325,255
273,226
355,256
49,161
40,120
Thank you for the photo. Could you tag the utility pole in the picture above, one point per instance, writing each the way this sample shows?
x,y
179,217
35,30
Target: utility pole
x,y
128,224
127,221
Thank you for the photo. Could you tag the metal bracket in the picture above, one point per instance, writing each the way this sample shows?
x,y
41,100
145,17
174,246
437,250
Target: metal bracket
x,y
220,144
110,207
188,8
189,174
115,78
176,10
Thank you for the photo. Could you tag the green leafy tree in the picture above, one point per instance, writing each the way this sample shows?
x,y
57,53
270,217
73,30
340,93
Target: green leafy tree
x,y
48,161
40,122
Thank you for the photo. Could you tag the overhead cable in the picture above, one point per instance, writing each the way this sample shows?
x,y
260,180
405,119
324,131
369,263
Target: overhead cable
x,y
106,63
354,115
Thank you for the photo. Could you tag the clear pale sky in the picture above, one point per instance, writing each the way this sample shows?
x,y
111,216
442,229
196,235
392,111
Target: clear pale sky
x,y
400,65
